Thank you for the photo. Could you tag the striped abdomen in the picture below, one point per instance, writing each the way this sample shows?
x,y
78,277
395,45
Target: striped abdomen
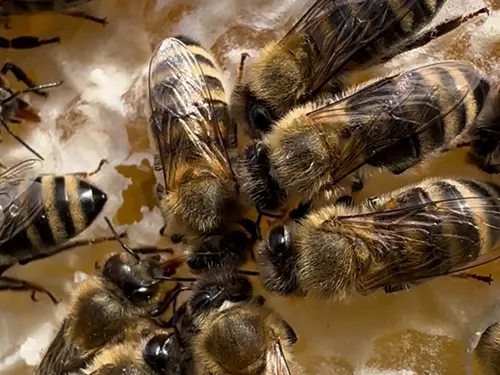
x,y
446,98
32,6
70,205
449,233
362,20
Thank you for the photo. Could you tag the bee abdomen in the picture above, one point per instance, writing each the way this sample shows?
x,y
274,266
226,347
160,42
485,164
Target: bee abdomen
x,y
488,350
392,20
70,205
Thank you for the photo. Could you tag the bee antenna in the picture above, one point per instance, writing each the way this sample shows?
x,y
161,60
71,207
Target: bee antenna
x,y
19,139
178,279
117,237
30,89
249,273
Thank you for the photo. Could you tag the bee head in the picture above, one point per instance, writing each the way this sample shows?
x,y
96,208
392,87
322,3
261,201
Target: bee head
x,y
165,354
137,278
217,286
255,170
268,88
230,248
277,262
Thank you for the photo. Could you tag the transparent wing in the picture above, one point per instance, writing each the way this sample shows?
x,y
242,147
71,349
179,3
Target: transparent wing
x,y
20,197
184,122
418,247
340,28
276,360
59,354
394,109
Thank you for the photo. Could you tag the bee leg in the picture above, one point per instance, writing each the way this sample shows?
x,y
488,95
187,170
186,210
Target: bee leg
x,y
465,275
241,67
13,135
8,283
77,14
152,250
26,42
168,299
21,76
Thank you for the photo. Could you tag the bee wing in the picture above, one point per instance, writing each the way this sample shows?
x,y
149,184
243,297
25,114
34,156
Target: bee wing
x,y
182,117
420,227
18,197
405,102
59,355
340,28
276,360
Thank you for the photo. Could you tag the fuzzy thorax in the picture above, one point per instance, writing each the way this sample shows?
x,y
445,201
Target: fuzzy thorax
x,y
302,153
331,258
203,203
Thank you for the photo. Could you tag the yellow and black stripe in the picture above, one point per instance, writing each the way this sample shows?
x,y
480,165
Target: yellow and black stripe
x,y
70,205
458,229
391,21
435,91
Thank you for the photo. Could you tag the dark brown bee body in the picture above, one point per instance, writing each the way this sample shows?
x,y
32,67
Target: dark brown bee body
x,y
393,242
70,205
487,351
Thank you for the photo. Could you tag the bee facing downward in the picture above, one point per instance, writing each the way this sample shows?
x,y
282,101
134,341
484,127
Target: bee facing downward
x,y
393,123
191,128
110,307
332,38
395,241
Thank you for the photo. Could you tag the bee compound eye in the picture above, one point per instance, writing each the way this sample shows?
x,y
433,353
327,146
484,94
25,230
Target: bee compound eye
x,y
260,117
279,239
159,352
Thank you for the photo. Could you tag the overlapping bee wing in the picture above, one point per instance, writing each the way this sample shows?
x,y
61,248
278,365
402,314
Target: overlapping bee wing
x,y
395,108
351,26
20,197
276,361
416,246
59,355
182,116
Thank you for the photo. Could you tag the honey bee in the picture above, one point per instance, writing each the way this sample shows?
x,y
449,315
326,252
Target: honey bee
x,y
394,241
487,351
139,357
16,7
393,123
245,339
41,221
12,107
331,40
192,132
224,329
111,307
